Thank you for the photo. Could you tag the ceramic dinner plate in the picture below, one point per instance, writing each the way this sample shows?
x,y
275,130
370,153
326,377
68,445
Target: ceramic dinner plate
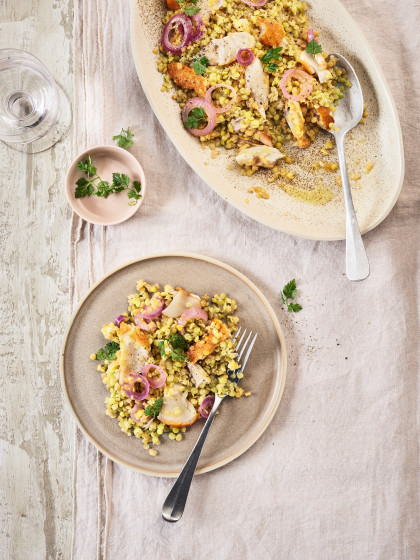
x,y
378,141
239,423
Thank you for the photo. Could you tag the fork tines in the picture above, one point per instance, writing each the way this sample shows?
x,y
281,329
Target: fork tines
x,y
245,348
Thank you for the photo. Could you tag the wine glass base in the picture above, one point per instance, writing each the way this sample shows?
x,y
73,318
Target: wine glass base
x,y
56,132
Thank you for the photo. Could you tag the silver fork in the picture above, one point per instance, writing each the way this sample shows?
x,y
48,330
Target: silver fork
x,y
174,505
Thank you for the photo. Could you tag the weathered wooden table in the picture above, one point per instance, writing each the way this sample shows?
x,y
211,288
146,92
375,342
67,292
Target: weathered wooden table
x,y
35,442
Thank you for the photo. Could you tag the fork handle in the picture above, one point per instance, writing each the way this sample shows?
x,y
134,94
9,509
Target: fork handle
x,y
357,264
174,505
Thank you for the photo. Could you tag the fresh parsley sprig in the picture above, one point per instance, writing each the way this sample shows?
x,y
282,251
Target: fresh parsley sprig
x,y
272,54
289,292
175,344
155,408
200,65
109,352
94,185
189,6
313,47
195,117
124,138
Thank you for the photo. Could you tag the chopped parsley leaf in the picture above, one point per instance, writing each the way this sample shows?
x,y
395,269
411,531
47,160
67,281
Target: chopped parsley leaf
x,y
271,54
108,352
313,47
195,117
155,408
200,65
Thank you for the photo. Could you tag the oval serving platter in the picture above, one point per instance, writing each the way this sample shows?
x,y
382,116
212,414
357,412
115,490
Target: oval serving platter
x,y
240,422
379,140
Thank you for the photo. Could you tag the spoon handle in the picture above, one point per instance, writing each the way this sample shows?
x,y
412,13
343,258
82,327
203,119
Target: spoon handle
x,y
357,264
174,505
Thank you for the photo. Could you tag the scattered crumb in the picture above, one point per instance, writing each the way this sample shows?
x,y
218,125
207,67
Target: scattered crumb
x,y
328,145
259,191
338,180
206,163
230,167
333,166
247,394
355,176
247,200
369,166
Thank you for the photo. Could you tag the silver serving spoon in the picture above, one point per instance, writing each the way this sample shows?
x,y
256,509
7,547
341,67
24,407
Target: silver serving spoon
x,y
348,115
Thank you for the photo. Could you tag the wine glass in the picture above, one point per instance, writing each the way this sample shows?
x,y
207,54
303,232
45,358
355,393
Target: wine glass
x,y
34,111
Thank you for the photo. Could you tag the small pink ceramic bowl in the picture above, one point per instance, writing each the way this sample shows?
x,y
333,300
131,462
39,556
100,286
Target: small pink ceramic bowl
x,y
114,209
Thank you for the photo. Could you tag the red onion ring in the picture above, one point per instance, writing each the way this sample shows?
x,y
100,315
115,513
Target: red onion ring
x,y
256,4
151,311
153,381
204,406
182,21
305,80
192,313
133,412
245,57
210,112
129,386
119,320
198,33
208,98
311,35
145,325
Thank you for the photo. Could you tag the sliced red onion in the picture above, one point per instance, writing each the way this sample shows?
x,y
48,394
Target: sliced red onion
x,y
198,32
206,406
133,412
119,320
192,313
128,387
180,20
245,57
305,80
256,4
208,98
311,35
145,325
153,310
210,112
154,382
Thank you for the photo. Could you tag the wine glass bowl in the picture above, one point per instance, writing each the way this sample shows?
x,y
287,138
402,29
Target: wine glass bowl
x,y
30,103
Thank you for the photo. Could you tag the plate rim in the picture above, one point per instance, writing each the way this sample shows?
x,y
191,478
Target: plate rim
x,y
283,363
290,231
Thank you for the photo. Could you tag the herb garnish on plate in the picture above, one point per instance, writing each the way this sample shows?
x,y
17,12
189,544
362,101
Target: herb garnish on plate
x,y
155,408
200,65
195,117
189,6
313,47
270,55
108,352
175,344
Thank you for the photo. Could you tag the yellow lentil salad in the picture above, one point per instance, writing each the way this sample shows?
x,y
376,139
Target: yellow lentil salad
x,y
249,75
166,358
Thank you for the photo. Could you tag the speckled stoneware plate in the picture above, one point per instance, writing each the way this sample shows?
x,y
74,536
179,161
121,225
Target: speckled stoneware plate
x,y
240,421
379,140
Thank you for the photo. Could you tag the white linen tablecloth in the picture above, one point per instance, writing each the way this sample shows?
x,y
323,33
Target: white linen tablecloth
x,y
336,474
